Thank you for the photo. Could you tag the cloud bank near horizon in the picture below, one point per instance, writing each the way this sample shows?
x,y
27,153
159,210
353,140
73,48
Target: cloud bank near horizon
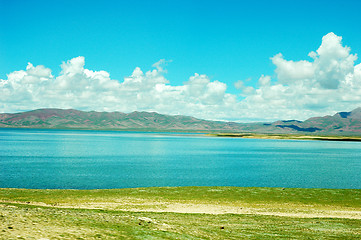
x,y
329,82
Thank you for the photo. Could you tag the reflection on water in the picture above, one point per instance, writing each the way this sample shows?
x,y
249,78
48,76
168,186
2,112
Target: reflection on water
x,y
107,159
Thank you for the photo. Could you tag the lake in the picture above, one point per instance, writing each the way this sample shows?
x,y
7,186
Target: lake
x,y
77,159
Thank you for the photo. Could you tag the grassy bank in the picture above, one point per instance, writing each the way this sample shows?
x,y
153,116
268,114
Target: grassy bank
x,y
181,213
288,136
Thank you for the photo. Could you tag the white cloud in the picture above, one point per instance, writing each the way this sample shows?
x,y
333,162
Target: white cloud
x,y
264,80
81,88
329,82
332,62
289,72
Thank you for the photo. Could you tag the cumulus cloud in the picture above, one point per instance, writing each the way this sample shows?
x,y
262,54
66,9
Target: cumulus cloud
x,y
332,63
329,81
81,88
289,72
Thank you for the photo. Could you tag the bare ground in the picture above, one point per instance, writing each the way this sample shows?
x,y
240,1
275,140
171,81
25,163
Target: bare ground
x,y
299,211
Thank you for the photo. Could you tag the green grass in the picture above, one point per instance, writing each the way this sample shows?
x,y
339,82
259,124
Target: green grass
x,y
333,198
73,214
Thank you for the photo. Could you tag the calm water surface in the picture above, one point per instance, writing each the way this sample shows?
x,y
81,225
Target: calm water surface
x,y
106,159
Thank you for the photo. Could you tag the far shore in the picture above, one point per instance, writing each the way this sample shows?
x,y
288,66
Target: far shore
x,y
287,136
213,133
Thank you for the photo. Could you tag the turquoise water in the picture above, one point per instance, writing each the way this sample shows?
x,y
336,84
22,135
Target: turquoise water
x,y
107,159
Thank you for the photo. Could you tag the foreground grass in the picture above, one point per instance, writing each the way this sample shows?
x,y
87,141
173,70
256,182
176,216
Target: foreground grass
x,y
181,213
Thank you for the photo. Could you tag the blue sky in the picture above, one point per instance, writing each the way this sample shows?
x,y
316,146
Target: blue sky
x,y
227,41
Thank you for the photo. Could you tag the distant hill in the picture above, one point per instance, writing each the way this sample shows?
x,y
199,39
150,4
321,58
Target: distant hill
x,y
75,119
342,123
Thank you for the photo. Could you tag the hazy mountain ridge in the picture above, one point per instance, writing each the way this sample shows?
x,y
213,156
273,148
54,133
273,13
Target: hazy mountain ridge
x,y
59,118
342,123
339,123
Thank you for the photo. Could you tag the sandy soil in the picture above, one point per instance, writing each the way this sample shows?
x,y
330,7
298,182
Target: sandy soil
x,y
298,211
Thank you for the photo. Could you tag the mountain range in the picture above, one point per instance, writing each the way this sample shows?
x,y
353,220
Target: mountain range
x,y
342,123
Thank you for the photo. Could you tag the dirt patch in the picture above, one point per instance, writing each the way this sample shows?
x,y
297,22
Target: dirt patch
x,y
176,207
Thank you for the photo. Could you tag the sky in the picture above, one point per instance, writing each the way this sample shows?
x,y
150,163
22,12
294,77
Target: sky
x,y
220,60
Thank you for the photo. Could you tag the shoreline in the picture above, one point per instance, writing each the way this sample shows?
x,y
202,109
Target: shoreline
x,y
213,133
287,137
